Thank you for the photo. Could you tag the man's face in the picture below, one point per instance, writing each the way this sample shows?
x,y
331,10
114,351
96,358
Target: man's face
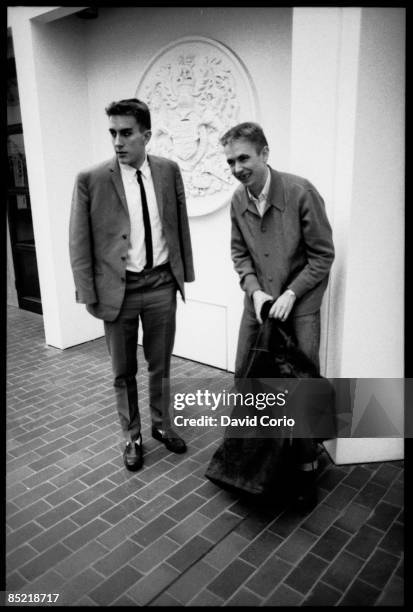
x,y
128,140
248,166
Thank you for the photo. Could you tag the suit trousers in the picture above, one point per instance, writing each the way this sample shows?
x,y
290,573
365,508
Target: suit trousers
x,y
150,298
307,332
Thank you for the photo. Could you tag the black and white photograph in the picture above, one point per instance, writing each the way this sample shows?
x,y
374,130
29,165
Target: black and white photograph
x,y
205,307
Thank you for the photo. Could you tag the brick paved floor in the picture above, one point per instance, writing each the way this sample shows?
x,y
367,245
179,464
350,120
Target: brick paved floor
x,y
80,525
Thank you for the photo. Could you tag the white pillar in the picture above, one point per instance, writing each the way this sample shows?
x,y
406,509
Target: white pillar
x,y
341,61
51,71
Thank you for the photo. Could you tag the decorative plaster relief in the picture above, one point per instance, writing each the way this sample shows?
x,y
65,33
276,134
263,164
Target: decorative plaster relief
x,y
197,89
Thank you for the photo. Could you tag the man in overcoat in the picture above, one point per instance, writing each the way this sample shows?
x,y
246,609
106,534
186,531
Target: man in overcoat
x,y
282,249
130,251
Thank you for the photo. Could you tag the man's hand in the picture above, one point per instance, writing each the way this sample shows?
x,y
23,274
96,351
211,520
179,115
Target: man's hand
x,y
282,305
259,297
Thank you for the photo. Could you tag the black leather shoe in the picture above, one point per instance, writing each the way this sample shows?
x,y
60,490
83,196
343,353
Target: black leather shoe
x,y
133,455
305,498
170,438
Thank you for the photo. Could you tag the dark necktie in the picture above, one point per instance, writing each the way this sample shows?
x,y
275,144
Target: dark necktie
x,y
146,222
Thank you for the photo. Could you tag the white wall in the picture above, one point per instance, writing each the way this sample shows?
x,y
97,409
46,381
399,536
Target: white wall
x,y
53,96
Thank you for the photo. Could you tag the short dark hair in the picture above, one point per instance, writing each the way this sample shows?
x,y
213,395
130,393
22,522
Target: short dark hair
x,y
250,131
134,107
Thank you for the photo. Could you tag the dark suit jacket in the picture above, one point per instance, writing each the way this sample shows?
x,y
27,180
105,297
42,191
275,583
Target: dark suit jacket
x,y
100,229
289,247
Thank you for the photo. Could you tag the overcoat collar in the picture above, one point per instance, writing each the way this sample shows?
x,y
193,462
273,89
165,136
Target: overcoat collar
x,y
156,178
275,197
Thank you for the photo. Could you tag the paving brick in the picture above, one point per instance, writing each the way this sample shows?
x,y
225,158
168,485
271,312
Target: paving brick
x,y
340,497
153,530
182,470
206,598
192,582
89,494
185,530
53,535
19,557
94,476
228,581
150,491
322,595
393,541
189,553
49,582
76,458
243,597
221,526
79,586
91,511
358,477
58,513
360,591
296,545
181,509
207,490
124,489
393,595
386,474
27,514
395,495
80,560
113,587
41,563
15,582
146,512
370,495
118,557
364,542
43,476
284,596
128,527
269,575
185,486
14,490
86,533
379,568
353,518
261,548
306,573
151,585
400,569
226,551
285,524
20,474
65,492
330,478
22,535
50,459
330,543
123,601
343,570
116,513
32,495
154,554
320,519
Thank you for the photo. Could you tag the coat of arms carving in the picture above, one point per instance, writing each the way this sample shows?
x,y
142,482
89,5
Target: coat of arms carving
x,y
196,91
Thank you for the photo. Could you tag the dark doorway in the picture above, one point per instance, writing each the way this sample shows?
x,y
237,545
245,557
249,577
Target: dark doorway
x,y
18,200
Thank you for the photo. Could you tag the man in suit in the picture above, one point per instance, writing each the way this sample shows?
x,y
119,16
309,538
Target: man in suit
x,y
282,249
130,251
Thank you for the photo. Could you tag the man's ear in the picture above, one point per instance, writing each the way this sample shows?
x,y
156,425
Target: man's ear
x,y
148,135
265,152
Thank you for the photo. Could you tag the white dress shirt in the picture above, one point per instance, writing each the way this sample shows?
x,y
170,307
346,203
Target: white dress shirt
x,y
261,201
136,259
